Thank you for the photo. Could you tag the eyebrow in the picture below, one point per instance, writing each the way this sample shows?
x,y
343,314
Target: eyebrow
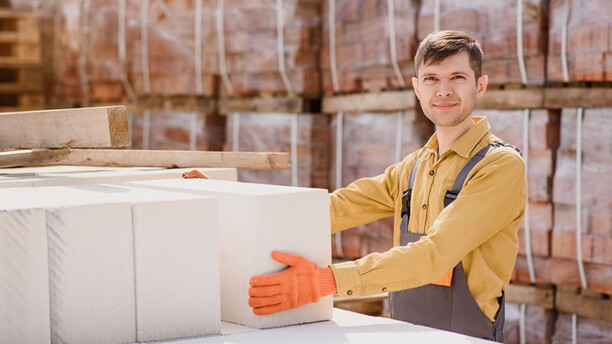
x,y
453,73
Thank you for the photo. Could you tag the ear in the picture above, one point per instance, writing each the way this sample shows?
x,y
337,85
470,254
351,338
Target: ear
x,y
415,86
483,82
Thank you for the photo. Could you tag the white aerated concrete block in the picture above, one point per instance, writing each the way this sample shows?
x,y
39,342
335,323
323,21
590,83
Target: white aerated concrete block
x,y
77,175
24,278
256,219
122,258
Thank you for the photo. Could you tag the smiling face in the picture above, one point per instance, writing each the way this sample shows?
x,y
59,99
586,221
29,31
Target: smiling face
x,y
448,90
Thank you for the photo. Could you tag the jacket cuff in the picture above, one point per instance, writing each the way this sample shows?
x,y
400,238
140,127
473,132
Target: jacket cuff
x,y
348,281
327,282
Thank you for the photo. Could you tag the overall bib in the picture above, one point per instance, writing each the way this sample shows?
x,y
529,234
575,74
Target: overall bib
x,y
451,308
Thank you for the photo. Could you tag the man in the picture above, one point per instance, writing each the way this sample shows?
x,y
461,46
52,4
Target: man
x,y
456,202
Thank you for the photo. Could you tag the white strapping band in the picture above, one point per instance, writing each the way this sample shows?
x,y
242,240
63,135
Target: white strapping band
x,y
522,311
338,182
144,45
198,47
280,45
519,41
392,44
294,149
564,65
146,129
236,132
221,45
579,115
436,15
193,131
121,48
333,69
526,219
398,136
85,9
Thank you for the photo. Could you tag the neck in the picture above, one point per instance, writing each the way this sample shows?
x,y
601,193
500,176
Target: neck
x,y
448,135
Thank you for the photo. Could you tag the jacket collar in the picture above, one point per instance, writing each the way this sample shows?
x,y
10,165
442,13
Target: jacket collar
x,y
466,143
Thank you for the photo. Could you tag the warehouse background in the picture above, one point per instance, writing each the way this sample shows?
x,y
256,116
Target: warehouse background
x,y
308,77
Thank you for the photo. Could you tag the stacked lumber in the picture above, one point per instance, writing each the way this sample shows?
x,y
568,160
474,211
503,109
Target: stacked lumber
x,y
252,43
596,201
363,48
589,52
272,132
21,74
494,23
367,150
508,125
177,130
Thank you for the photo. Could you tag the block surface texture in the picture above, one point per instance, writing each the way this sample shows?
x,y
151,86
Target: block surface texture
x,y
254,220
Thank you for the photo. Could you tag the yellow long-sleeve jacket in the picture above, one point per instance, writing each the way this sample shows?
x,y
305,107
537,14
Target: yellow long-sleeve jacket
x,y
478,229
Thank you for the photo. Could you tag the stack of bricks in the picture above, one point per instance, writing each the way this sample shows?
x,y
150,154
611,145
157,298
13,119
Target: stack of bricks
x,y
271,132
105,71
171,48
541,324
367,150
588,331
252,43
363,48
174,130
543,144
494,24
589,44
67,84
596,202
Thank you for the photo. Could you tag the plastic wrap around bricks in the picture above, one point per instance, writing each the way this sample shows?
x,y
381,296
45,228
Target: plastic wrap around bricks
x,y
76,175
123,265
254,220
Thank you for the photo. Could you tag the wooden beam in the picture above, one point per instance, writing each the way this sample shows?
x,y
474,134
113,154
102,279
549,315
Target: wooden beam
x,y
172,103
557,98
32,157
381,101
543,296
145,158
98,127
512,99
268,104
584,305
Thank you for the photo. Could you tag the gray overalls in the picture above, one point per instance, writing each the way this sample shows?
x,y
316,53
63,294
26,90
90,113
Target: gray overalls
x,y
450,308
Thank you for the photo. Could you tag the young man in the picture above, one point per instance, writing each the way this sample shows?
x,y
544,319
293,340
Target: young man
x,y
456,202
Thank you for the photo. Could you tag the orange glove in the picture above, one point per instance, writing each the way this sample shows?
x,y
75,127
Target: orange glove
x,y
302,283
194,174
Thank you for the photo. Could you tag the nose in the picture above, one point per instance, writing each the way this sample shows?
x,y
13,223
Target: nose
x,y
444,89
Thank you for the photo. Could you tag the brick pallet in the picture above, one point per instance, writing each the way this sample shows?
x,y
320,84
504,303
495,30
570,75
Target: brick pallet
x,y
21,75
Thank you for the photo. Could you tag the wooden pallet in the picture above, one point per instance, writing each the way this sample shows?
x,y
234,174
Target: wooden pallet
x,y
21,79
15,101
19,38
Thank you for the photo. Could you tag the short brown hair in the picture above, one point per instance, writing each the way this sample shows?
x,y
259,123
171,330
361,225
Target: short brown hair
x,y
439,45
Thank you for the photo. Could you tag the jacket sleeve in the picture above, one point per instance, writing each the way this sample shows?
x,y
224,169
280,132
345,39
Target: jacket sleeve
x,y
367,199
492,199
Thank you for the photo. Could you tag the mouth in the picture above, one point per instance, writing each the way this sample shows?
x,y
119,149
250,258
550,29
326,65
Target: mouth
x,y
445,105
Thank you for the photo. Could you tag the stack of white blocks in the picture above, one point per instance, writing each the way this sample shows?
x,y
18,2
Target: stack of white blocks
x,y
121,264
254,220
107,264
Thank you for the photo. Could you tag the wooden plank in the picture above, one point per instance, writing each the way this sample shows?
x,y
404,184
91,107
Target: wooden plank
x,y
145,158
556,98
512,99
84,127
542,296
173,103
32,157
168,158
265,104
382,101
584,305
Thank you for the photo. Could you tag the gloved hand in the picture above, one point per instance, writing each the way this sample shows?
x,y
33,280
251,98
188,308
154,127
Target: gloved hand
x,y
194,174
302,283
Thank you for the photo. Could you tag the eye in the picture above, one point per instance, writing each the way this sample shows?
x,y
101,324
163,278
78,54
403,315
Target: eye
x,y
429,78
459,77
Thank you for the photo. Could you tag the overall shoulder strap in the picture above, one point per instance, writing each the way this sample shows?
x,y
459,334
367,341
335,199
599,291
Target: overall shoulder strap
x,y
452,194
408,193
